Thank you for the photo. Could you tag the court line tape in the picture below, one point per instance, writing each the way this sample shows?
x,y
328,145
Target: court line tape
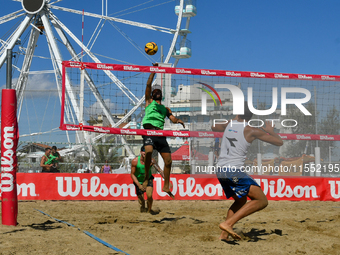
x,y
85,232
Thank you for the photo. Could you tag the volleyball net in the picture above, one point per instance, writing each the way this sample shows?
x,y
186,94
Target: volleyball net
x,y
109,99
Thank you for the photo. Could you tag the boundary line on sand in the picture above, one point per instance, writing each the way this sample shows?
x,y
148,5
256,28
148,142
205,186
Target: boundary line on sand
x,y
85,232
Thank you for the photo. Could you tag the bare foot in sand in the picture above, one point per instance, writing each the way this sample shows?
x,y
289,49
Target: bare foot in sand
x,y
229,230
224,236
169,193
152,212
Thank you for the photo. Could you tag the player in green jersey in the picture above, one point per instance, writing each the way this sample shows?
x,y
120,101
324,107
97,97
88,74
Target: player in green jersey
x,y
138,176
155,114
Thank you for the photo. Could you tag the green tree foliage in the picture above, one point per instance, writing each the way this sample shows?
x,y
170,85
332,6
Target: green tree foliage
x,y
106,151
102,150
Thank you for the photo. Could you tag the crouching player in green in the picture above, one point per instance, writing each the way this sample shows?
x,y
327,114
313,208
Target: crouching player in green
x,y
138,176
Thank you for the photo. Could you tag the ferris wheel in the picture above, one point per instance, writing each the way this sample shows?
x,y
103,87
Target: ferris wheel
x,y
43,18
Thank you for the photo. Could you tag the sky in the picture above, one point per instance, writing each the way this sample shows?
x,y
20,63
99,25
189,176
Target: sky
x,y
263,36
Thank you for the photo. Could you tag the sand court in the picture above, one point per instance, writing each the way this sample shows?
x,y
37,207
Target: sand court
x,y
181,227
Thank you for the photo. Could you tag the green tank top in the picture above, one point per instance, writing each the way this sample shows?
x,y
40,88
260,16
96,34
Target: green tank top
x,y
140,171
55,155
155,114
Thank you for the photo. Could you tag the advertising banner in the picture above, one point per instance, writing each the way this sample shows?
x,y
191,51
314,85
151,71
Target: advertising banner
x,y
52,186
9,162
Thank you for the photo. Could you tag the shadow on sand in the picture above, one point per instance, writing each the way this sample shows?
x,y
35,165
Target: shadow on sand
x,y
254,235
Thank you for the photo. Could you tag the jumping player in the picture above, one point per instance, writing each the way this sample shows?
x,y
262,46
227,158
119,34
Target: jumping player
x,y
237,137
155,114
138,176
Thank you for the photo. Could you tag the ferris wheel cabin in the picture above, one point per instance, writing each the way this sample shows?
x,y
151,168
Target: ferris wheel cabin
x,y
189,8
182,48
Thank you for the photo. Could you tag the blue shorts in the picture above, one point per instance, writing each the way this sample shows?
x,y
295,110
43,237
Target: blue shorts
x,y
235,182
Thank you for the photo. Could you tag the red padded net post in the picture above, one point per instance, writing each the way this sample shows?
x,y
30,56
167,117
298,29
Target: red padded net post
x,y
9,162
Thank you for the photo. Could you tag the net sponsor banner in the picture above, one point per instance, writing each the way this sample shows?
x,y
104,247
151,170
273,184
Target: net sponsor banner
x,y
45,186
125,131
207,72
202,134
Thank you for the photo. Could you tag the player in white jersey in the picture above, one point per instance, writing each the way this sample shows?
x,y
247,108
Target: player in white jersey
x,y
236,183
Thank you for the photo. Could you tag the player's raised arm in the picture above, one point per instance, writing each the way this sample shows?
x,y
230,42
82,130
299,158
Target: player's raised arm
x,y
148,89
267,134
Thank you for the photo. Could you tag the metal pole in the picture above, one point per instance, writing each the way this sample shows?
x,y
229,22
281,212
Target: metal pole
x,y
259,163
81,96
330,154
9,69
316,116
317,148
162,56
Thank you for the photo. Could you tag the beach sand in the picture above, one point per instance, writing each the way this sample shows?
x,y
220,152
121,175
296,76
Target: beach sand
x,y
181,227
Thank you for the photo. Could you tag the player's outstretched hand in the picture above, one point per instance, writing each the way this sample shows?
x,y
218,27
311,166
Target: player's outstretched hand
x,y
269,128
181,122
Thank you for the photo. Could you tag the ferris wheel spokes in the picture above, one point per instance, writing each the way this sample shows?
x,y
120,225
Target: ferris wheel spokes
x,y
119,84
57,65
24,72
127,22
57,56
178,26
15,37
60,28
11,16
50,21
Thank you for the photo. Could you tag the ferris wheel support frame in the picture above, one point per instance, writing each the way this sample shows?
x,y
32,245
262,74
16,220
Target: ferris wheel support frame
x,y
60,27
47,16
127,22
11,16
23,26
87,77
173,43
119,84
184,38
56,56
24,72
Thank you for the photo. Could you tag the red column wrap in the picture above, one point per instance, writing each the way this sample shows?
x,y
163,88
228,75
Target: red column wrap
x,y
9,162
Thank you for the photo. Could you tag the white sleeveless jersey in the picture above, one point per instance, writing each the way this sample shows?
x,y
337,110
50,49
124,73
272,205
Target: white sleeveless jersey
x,y
234,146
